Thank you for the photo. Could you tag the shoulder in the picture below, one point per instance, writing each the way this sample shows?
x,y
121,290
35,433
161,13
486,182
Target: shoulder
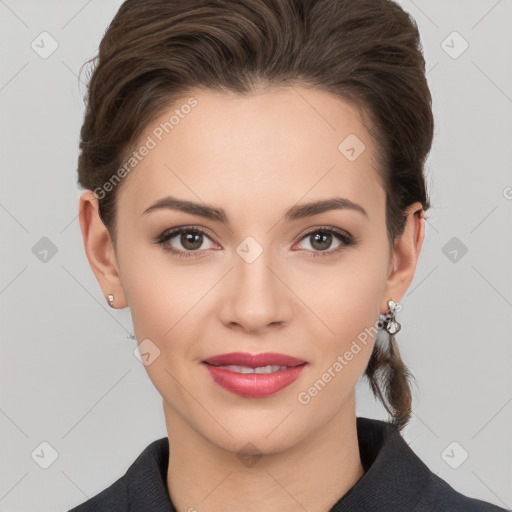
x,y
439,496
397,480
142,483
114,498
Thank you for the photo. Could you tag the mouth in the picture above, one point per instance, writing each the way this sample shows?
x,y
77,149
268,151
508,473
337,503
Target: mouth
x,y
247,369
258,375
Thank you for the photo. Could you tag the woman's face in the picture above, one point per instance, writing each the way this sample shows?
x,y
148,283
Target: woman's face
x,y
267,275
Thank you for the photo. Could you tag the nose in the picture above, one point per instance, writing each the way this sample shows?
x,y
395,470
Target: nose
x,y
254,296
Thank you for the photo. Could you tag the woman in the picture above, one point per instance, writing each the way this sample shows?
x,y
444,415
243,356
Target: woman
x,y
255,195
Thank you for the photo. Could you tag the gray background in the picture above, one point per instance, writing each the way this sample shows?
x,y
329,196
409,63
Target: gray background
x,y
68,373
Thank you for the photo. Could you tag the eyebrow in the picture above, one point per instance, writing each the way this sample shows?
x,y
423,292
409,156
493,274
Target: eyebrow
x,y
218,214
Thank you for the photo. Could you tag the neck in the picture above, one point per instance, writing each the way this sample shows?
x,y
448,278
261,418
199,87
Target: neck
x,y
311,475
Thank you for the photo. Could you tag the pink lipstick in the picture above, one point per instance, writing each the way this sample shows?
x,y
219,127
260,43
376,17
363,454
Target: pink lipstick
x,y
258,375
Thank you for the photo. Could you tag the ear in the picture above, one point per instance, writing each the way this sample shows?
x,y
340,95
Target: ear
x,y
99,249
405,254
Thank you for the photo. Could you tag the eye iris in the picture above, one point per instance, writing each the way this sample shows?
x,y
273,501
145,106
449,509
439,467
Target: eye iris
x,y
191,241
324,239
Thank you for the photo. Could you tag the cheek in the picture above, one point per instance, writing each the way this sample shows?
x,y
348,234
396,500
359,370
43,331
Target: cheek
x,y
161,306
166,302
158,292
350,294
349,305
350,310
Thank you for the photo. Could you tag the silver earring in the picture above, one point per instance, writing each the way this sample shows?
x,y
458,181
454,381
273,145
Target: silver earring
x,y
111,300
392,326
388,319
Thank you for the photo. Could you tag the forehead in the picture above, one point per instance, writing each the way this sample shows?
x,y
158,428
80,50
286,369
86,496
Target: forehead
x,y
272,147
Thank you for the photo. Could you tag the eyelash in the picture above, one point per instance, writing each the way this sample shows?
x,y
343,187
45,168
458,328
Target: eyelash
x,y
347,240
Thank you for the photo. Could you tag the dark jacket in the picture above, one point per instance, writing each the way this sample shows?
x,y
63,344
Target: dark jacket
x,y
395,480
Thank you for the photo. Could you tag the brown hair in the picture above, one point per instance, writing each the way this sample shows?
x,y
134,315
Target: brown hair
x,y
367,52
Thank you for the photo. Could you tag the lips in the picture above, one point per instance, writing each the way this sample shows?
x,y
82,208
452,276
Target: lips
x,y
258,375
254,361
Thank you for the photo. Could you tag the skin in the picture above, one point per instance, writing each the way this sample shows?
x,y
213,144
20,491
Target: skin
x,y
256,156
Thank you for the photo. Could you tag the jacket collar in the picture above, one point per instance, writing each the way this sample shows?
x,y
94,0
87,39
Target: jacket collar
x,y
393,480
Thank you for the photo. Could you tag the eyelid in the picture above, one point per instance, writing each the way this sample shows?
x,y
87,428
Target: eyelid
x,y
186,227
325,228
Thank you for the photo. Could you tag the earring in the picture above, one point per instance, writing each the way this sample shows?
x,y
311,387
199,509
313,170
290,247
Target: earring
x,y
388,320
392,326
111,300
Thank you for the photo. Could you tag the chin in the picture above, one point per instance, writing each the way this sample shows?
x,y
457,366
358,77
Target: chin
x,y
272,430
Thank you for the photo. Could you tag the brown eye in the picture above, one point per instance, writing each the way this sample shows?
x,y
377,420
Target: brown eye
x,y
184,242
322,239
191,241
